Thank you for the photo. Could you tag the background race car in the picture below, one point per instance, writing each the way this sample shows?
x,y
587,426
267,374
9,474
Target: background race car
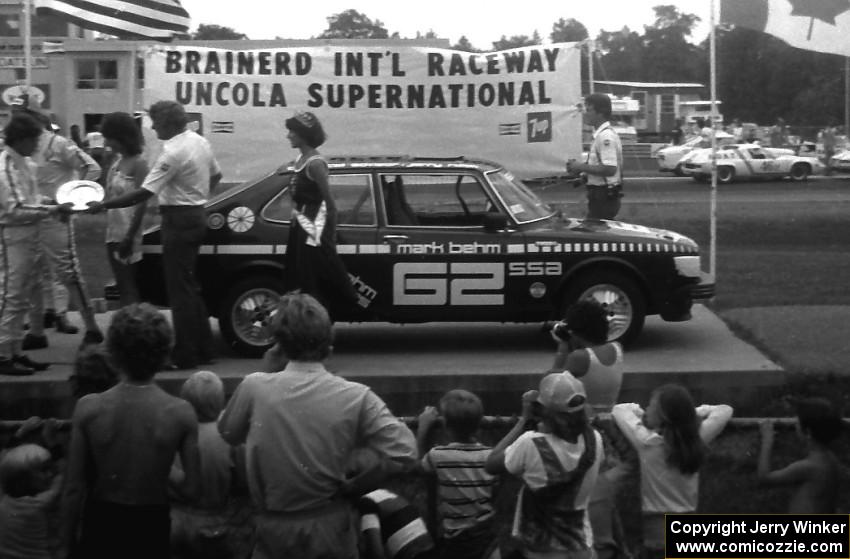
x,y
669,158
750,161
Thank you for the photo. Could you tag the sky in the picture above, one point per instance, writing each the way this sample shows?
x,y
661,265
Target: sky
x,y
481,22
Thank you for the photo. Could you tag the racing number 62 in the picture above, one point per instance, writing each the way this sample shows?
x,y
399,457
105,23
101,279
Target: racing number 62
x,y
441,283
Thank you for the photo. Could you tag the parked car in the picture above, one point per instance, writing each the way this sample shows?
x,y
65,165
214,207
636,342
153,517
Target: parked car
x,y
428,240
669,158
840,161
750,161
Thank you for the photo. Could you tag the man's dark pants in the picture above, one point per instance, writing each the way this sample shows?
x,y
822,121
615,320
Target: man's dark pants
x,y
603,202
183,231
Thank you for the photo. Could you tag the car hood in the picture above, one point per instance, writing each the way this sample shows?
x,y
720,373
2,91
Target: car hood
x,y
600,230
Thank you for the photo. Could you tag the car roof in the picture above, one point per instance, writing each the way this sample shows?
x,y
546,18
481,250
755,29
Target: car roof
x,y
396,162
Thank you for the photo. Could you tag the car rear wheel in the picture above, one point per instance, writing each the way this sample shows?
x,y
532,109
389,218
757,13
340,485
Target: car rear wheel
x,y
618,294
246,312
678,171
725,175
800,172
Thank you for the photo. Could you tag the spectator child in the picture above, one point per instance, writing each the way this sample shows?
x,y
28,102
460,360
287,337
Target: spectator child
x,y
815,477
558,464
199,527
30,492
670,438
584,351
390,527
465,489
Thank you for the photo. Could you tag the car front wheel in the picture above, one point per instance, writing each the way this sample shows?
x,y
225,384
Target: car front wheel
x,y
618,294
725,175
799,172
246,312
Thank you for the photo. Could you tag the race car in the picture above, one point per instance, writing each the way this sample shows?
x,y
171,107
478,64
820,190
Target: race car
x,y
750,161
435,240
669,158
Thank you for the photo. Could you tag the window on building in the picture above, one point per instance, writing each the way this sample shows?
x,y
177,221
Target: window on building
x,y
140,72
97,74
49,26
668,103
10,25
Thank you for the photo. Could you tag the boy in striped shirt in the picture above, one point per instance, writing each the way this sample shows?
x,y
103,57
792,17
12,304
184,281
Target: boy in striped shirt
x,y
465,490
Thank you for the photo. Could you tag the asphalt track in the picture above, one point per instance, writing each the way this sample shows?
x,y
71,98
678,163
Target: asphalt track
x,y
411,365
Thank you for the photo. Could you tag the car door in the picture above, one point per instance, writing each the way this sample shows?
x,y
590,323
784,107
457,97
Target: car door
x,y
760,162
444,262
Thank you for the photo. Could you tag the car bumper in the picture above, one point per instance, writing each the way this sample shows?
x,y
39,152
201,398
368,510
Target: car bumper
x,y
839,165
678,307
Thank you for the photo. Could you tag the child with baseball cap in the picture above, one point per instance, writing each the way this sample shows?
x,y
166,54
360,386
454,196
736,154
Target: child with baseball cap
x,y
558,464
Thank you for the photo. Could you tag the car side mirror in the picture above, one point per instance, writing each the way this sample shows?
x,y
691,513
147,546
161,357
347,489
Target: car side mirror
x,y
495,222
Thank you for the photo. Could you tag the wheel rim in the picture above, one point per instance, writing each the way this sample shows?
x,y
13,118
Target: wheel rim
x,y
617,305
724,175
251,314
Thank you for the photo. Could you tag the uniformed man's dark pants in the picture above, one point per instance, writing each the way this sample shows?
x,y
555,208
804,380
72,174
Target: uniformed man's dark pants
x,y
603,202
183,230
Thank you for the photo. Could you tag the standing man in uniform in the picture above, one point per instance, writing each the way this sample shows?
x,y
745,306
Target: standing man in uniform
x,y
58,161
603,169
182,177
20,214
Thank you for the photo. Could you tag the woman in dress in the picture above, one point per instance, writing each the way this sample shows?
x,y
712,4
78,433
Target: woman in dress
x,y
124,225
312,263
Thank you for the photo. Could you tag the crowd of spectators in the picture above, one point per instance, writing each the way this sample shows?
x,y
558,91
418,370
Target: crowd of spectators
x,y
298,462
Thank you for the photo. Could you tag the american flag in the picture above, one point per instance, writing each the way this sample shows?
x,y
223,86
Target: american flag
x,y
127,19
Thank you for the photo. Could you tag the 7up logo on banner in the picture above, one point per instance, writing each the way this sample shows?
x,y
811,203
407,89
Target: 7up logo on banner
x,y
539,127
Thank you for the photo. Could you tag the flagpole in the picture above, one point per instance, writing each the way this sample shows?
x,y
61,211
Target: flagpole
x,y
27,45
847,95
712,266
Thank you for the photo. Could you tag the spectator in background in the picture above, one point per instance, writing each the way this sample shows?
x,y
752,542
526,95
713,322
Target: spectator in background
x,y
670,439
300,425
76,137
584,351
390,527
815,478
558,465
829,140
464,488
92,372
30,491
737,130
20,214
123,443
199,527
94,143
778,134
124,225
678,134
58,161
182,178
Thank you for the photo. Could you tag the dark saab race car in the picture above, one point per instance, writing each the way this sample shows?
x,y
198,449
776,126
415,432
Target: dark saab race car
x,y
428,240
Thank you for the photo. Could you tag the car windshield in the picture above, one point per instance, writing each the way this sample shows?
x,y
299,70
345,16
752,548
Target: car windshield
x,y
523,204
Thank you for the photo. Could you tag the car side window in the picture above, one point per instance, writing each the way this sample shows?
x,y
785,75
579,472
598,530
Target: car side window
x,y
437,200
352,194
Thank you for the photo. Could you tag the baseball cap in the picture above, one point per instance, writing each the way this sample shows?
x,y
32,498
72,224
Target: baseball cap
x,y
562,392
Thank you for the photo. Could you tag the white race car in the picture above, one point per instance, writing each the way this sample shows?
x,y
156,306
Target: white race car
x,y
750,161
669,158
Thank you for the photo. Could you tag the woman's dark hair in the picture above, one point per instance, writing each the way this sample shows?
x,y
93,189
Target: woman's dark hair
x,y
589,319
21,126
92,372
819,418
302,327
139,340
680,428
307,126
122,128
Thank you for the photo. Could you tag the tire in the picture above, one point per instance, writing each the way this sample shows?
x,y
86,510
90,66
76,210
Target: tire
x,y
800,172
678,171
245,313
725,175
619,294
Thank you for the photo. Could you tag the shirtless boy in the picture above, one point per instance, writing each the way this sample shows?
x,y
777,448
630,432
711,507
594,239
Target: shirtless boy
x,y
816,475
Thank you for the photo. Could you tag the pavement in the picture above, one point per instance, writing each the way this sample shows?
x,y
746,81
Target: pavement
x,y
413,364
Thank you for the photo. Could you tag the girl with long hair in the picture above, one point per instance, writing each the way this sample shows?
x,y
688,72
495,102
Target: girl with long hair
x,y
670,438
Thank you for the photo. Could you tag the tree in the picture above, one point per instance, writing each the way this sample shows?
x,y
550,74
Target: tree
x,y
517,41
668,55
464,45
622,55
212,32
351,24
568,31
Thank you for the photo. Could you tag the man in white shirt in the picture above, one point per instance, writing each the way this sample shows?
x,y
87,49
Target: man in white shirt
x,y
182,178
604,166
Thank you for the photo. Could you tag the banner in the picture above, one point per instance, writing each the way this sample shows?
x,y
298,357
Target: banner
x,y
519,107
818,25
